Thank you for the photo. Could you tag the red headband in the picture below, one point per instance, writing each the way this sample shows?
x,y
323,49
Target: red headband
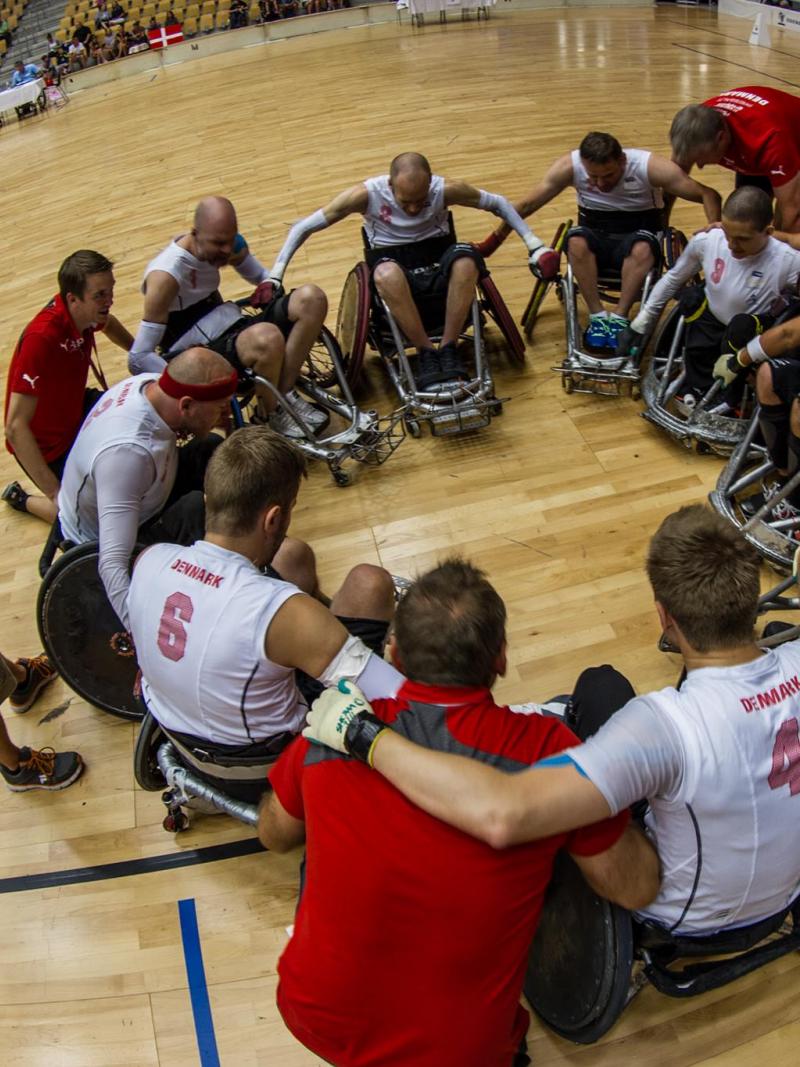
x,y
216,390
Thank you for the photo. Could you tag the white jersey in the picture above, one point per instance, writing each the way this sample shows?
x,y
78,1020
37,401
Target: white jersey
x,y
719,762
125,421
386,223
196,279
199,617
633,192
754,284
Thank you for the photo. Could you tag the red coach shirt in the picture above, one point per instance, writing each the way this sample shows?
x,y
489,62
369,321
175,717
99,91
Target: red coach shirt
x,y
411,938
765,132
51,362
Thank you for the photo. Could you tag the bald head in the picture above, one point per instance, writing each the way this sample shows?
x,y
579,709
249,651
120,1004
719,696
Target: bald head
x,y
410,179
214,211
214,230
199,366
411,164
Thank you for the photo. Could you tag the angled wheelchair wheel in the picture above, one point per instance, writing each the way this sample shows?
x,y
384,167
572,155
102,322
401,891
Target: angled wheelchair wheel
x,y
321,362
352,322
581,958
83,636
494,306
145,755
540,288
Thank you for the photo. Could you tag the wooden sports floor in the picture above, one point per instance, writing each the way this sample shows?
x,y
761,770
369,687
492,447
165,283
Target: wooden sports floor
x,y
556,499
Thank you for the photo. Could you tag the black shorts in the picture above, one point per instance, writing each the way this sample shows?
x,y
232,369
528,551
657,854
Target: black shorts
x,y
612,249
427,266
786,378
276,313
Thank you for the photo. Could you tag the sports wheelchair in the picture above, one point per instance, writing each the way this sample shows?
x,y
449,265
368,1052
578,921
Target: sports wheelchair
x,y
348,433
81,633
180,768
449,408
586,372
702,424
589,957
749,467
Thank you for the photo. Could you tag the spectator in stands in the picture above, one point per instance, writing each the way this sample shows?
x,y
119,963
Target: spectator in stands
x,y
238,15
172,19
97,53
52,45
123,40
24,72
102,15
5,31
83,33
77,55
137,39
270,10
288,8
153,24
117,13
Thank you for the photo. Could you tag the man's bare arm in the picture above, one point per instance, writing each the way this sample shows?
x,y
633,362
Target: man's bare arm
x,y
787,206
774,342
498,808
117,334
666,175
21,409
627,873
160,289
304,634
277,829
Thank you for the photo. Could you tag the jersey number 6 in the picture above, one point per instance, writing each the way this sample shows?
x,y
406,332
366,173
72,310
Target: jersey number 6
x,y
178,609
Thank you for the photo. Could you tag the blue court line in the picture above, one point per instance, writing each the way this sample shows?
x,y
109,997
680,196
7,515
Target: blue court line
x,y
198,990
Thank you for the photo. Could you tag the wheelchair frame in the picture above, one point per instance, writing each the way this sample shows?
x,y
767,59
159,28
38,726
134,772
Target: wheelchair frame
x,y
703,428
581,371
366,437
364,318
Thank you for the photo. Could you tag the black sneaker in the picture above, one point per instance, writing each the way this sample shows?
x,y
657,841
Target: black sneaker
x,y
39,672
43,769
429,369
16,496
453,369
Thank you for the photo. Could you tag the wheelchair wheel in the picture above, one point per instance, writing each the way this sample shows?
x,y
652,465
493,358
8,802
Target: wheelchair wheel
x,y
322,359
581,958
494,305
79,630
145,763
352,322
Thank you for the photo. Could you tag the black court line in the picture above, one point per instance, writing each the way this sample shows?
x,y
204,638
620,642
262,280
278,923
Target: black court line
x,y
721,59
126,868
736,40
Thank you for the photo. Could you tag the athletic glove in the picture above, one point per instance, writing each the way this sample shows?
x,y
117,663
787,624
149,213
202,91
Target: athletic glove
x,y
342,719
488,245
266,292
629,343
728,368
544,263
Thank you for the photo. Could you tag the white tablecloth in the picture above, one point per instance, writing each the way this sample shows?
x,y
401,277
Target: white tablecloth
x,y
427,7
20,94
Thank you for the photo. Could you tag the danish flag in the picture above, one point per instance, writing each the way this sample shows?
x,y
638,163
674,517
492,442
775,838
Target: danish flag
x,y
165,35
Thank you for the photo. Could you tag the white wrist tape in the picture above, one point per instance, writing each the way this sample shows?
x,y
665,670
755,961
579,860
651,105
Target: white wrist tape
x,y
349,662
498,205
641,323
755,350
300,232
143,356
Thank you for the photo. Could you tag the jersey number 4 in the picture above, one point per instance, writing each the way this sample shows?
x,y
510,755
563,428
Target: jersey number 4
x,y
786,758
178,609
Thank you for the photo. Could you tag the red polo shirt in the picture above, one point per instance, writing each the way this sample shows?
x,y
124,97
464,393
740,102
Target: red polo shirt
x,y
765,132
411,938
51,362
